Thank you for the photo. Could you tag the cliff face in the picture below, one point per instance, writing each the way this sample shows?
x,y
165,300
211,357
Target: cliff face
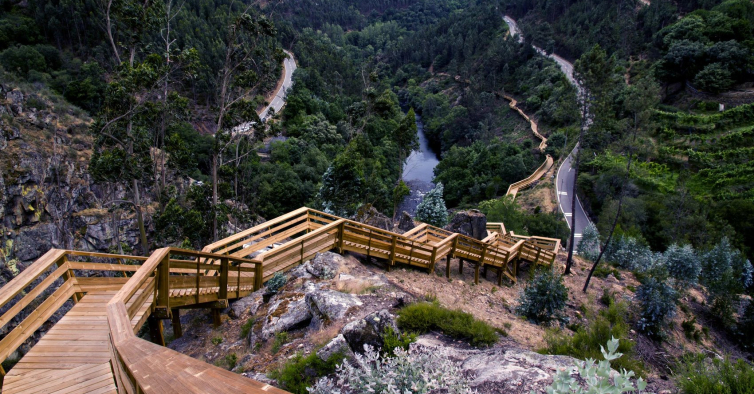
x,y
47,197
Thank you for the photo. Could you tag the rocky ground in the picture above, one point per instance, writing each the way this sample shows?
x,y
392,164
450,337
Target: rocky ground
x,y
339,303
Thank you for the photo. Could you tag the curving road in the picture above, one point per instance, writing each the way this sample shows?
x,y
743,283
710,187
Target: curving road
x,y
278,101
565,176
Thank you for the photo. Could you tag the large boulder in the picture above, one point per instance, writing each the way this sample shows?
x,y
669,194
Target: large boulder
x,y
335,346
287,311
406,223
325,265
368,214
472,223
369,330
328,305
247,306
500,370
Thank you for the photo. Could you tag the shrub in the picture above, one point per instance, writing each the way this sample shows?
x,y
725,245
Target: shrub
x,y
700,375
246,327
597,376
424,317
281,339
587,342
217,340
396,340
277,281
417,372
544,298
231,360
432,209
22,59
746,327
727,274
628,253
301,371
683,264
589,246
658,304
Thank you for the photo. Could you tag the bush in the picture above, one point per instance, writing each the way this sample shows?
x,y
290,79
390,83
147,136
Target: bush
x,y
587,342
281,339
277,281
417,372
746,327
432,209
22,59
683,264
700,375
395,340
544,298
301,371
658,304
597,377
589,247
629,253
727,274
424,317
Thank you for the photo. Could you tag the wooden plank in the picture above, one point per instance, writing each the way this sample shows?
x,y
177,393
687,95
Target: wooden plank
x,y
32,272
32,295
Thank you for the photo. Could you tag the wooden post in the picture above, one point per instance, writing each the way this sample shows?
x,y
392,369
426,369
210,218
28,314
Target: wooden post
x,y
500,276
198,275
484,272
258,276
2,376
155,330
460,266
238,282
67,275
224,268
431,267
216,321
177,329
163,282
393,245
476,274
342,232
447,267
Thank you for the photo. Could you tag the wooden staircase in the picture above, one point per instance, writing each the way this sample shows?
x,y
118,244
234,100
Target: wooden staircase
x,y
93,347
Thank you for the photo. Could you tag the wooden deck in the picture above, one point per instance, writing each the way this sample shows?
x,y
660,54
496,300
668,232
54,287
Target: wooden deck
x,y
73,357
93,347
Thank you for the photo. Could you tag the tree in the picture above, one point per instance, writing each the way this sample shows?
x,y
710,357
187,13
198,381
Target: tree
x,y
405,138
432,209
589,247
248,61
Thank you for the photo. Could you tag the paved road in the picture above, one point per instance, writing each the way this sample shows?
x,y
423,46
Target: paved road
x,y
278,101
565,176
289,66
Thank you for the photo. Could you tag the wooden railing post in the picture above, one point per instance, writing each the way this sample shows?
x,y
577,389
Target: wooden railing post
x,y
224,270
67,275
258,276
162,307
431,267
341,233
393,242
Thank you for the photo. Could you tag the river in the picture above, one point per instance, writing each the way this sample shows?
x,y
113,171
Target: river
x,y
419,171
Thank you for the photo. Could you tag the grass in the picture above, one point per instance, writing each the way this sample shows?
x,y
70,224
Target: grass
x,y
699,375
217,340
586,341
246,327
301,371
393,340
426,316
281,339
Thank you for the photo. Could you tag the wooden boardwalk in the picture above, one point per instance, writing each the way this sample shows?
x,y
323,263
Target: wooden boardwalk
x,y
73,357
93,347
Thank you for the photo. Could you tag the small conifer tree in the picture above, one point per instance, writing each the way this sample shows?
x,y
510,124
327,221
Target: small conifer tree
x,y
432,209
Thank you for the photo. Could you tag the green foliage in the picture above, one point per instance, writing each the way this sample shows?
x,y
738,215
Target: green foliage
x,y
727,274
400,192
22,59
701,375
586,342
246,327
597,376
746,326
589,246
432,208
424,317
544,298
392,340
281,339
542,224
301,372
657,300
231,360
216,340
683,264
277,281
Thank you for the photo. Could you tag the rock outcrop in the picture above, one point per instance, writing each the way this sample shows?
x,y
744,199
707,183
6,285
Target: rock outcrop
x,y
329,305
369,331
406,223
368,214
472,223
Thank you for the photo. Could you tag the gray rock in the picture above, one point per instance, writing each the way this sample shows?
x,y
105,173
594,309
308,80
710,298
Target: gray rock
x,y
16,100
33,242
247,306
325,265
369,215
260,377
336,345
301,271
369,330
328,305
286,312
350,283
501,370
472,223
407,222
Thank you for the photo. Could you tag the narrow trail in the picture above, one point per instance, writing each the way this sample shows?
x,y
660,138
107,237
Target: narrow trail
x,y
542,169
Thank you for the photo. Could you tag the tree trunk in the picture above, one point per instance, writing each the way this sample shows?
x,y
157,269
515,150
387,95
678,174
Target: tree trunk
x,y
140,220
214,196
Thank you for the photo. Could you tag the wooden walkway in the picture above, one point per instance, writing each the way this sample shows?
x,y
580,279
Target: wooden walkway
x,y
542,169
73,357
93,347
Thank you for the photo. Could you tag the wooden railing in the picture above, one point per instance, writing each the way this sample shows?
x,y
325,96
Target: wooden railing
x,y
48,284
169,288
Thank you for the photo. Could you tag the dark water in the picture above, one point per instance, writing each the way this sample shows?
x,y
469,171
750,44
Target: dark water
x,y
421,164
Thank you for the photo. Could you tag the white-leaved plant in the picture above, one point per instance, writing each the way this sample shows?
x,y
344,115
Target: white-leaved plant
x,y
597,377
415,372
